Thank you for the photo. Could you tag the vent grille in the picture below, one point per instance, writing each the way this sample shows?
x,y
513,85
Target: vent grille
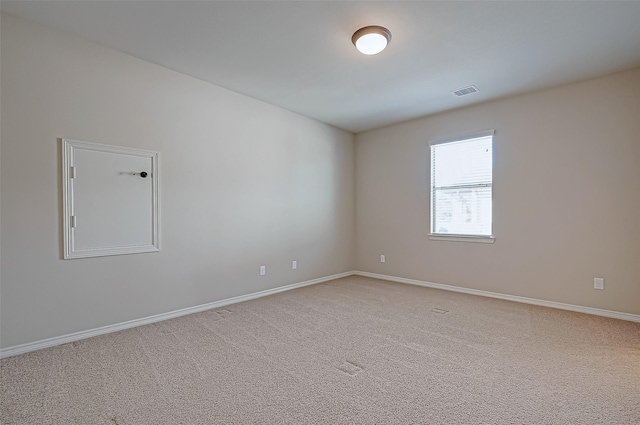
x,y
465,91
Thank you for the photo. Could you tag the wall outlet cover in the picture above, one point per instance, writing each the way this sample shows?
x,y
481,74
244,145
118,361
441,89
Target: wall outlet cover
x,y
598,283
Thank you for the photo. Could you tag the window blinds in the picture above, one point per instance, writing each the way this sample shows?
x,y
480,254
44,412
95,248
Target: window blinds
x,y
461,187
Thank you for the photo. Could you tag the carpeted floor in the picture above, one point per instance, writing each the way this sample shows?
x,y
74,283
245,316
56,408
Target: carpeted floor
x,y
350,351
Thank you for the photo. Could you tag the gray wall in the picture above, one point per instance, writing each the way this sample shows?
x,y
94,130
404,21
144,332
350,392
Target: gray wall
x,y
243,184
566,196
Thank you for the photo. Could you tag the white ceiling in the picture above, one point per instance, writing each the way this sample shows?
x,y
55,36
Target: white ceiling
x,y
298,54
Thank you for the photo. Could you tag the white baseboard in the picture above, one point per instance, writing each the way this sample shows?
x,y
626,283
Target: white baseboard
x,y
571,307
64,339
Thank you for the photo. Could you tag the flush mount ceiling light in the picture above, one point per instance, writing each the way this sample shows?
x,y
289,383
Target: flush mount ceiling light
x,y
371,40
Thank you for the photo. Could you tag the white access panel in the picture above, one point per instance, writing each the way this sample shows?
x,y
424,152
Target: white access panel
x,y
110,200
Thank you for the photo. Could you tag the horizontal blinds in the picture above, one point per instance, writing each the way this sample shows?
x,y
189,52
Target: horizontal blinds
x,y
461,187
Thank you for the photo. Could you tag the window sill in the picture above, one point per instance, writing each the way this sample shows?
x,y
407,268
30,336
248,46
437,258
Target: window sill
x,y
461,238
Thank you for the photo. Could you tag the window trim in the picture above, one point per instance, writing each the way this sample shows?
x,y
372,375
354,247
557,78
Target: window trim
x,y
457,237
461,238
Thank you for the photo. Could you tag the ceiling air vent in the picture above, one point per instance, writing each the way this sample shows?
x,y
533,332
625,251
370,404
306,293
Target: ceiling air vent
x,y
465,90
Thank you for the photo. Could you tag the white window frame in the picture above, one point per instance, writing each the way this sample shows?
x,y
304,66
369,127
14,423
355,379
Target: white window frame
x,y
457,237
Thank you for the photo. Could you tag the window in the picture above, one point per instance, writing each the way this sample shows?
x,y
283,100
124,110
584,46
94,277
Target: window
x,y
461,188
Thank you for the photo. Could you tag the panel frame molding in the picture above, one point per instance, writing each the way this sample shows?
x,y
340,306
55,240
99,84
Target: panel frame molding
x,y
68,150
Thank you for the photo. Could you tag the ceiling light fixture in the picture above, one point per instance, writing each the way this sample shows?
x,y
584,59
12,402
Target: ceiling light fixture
x,y
371,40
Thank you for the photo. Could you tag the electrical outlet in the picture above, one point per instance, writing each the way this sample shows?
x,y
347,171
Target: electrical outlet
x,y
382,259
294,264
598,283
263,270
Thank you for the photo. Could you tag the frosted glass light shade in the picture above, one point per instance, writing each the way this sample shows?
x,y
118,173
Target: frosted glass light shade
x,y
371,40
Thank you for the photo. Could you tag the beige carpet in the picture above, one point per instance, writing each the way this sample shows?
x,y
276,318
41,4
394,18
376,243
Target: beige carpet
x,y
350,351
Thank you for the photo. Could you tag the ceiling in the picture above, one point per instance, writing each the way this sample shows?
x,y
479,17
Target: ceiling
x,y
298,54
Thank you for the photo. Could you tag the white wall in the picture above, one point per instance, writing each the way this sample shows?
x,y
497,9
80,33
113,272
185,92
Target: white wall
x,y
566,196
243,183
